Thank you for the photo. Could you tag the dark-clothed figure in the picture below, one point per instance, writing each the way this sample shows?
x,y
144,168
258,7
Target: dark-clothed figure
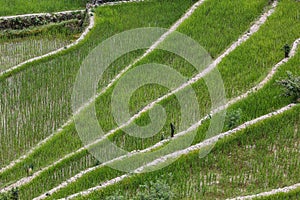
x,y
172,129
287,50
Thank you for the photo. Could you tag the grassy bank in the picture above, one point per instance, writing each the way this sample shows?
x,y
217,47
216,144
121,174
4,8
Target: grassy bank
x,y
15,7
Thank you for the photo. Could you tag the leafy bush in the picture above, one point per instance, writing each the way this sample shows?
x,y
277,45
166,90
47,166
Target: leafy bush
x,y
233,118
116,196
11,195
158,190
291,86
3,196
15,194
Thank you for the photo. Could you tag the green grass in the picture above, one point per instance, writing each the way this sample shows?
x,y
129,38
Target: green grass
x,y
253,160
104,120
15,7
265,59
255,8
240,71
48,84
19,46
269,100
67,163
269,92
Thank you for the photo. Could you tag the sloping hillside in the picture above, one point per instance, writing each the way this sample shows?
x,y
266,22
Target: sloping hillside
x,y
224,126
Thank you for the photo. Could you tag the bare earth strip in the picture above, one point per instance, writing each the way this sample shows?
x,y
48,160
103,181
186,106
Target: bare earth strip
x,y
269,193
118,2
188,150
192,128
242,39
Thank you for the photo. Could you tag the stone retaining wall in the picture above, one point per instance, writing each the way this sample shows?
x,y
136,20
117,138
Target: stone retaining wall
x,y
25,21
28,20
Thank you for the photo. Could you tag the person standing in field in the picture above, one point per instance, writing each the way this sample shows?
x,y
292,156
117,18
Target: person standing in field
x,y
287,50
172,129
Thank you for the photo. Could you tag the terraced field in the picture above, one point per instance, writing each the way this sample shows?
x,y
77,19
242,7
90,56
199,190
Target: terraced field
x,y
232,99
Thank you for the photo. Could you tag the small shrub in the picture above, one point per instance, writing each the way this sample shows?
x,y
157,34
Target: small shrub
x,y
3,196
15,194
117,196
233,118
158,190
291,86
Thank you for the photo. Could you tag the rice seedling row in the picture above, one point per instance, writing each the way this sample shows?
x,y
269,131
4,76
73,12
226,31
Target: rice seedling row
x,y
267,98
67,70
93,178
226,69
20,46
86,159
254,160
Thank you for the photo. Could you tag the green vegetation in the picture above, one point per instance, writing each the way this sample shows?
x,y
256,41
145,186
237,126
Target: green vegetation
x,y
19,46
149,191
41,84
291,86
36,100
237,71
254,160
263,102
11,195
268,102
67,163
14,7
233,118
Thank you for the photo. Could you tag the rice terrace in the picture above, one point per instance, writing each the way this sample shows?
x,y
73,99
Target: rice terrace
x,y
149,99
